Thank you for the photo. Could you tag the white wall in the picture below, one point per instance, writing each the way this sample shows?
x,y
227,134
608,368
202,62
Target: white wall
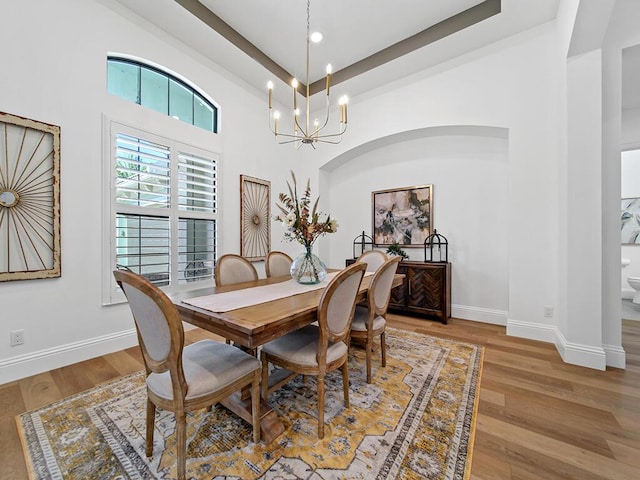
x,y
514,88
584,197
559,171
54,70
630,128
470,209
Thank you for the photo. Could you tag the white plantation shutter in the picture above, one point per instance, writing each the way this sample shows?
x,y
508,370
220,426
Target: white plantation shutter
x,y
197,183
165,208
143,246
196,249
196,236
142,172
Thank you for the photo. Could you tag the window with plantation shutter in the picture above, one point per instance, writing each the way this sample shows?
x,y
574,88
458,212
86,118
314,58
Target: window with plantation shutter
x,y
196,194
143,172
164,208
197,183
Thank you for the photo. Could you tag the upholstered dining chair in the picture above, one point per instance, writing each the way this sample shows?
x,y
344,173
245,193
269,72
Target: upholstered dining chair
x,y
277,264
370,321
373,259
318,349
232,268
183,378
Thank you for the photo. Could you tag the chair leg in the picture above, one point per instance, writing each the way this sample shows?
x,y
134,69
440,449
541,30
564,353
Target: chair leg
x,y
383,348
151,415
255,406
345,383
181,444
320,406
368,352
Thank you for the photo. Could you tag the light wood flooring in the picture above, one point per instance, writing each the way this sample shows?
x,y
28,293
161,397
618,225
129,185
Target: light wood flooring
x,y
538,418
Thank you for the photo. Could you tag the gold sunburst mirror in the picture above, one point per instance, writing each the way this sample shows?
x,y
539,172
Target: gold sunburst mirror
x,y
255,227
29,199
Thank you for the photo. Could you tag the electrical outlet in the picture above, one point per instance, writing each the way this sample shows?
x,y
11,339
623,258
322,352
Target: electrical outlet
x,y
548,312
17,337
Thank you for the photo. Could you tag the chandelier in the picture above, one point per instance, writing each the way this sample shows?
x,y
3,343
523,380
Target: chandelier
x,y
304,132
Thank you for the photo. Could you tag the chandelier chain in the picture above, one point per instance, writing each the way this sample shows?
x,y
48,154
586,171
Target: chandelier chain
x,y
308,15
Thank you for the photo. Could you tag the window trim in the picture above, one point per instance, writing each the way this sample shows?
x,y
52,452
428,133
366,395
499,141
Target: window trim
x,y
111,294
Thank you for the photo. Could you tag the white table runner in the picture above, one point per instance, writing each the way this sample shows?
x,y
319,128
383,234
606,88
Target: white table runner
x,y
223,302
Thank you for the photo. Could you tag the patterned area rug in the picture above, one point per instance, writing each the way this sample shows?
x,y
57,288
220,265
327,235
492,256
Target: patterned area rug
x,y
415,421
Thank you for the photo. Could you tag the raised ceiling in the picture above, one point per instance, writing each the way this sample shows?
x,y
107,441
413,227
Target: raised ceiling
x,y
391,40
354,31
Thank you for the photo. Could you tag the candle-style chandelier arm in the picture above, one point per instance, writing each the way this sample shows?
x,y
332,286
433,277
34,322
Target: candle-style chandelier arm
x,y
301,137
318,129
330,135
298,127
305,135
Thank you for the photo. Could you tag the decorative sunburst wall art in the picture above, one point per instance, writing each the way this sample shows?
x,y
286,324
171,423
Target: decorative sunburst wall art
x,y
29,199
255,225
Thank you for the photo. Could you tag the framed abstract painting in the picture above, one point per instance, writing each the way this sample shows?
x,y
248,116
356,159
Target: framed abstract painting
x,y
402,215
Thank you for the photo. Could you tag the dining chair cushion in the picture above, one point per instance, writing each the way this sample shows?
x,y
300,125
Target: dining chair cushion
x,y
236,273
341,305
373,258
208,366
277,264
231,268
301,347
360,318
156,334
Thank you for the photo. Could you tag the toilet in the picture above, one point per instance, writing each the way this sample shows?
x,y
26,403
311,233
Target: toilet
x,y
635,284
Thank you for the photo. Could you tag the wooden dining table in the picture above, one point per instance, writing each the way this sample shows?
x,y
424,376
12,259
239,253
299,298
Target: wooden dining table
x,y
254,325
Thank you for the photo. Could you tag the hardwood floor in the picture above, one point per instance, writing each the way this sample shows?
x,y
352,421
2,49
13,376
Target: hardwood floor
x,y
538,417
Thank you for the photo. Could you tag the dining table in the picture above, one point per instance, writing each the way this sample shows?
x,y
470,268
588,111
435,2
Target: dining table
x,y
253,313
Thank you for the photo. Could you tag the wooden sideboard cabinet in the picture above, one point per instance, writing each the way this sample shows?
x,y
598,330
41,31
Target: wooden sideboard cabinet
x,y
425,291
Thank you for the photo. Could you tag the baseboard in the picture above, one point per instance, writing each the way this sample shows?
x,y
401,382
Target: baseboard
x,y
628,293
22,366
477,314
532,331
573,353
582,355
616,356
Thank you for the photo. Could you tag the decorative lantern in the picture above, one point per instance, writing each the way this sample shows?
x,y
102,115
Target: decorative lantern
x,y
361,244
437,247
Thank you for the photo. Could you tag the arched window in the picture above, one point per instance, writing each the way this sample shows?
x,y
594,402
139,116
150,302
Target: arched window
x,y
153,88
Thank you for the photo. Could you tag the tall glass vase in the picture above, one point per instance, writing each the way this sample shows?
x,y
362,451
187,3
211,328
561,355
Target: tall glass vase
x,y
308,269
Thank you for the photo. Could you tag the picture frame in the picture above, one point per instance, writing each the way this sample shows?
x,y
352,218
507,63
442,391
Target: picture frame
x,y
29,199
630,221
402,215
255,214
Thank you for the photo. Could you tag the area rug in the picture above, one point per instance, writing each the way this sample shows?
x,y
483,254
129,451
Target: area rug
x,y
416,420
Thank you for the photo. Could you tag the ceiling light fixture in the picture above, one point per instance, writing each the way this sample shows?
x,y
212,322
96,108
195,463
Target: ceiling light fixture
x,y
316,37
305,134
